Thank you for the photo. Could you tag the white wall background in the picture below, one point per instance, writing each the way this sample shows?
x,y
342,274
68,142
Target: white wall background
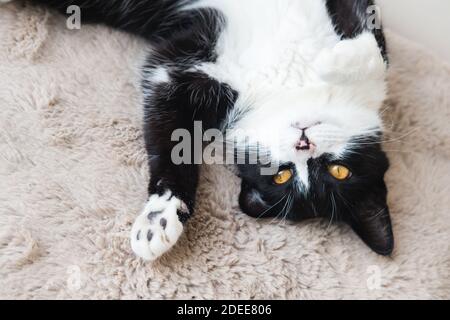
x,y
423,21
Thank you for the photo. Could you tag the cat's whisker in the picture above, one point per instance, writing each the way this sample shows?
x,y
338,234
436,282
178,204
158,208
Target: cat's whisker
x,y
282,210
385,109
264,212
399,151
361,140
290,208
333,209
290,202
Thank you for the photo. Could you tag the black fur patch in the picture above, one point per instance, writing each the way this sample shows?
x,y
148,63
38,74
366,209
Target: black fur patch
x,y
155,20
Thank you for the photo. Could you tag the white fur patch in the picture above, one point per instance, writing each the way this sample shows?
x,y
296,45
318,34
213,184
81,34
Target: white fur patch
x,y
157,228
159,75
153,77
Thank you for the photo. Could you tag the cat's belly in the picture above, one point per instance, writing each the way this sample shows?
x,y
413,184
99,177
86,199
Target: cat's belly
x,y
269,43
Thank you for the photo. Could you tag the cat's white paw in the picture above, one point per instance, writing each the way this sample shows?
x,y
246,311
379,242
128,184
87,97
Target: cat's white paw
x,y
157,228
5,1
351,60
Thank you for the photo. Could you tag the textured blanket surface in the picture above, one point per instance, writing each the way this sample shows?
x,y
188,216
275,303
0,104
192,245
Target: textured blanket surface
x,y
73,176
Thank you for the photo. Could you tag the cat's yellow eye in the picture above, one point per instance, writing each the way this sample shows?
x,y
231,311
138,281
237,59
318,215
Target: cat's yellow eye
x,y
339,172
283,176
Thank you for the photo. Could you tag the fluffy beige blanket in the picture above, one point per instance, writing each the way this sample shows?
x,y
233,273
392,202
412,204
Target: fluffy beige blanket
x,y
73,175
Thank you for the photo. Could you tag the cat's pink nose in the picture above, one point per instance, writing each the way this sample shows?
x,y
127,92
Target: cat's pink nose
x,y
304,144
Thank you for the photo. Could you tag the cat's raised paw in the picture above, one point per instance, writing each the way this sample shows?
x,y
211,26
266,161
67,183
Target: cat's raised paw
x,y
158,227
351,60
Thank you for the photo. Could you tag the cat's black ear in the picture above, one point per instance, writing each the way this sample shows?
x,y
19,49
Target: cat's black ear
x,y
251,202
371,221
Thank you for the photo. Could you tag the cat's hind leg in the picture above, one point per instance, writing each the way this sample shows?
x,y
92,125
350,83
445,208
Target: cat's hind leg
x,y
151,19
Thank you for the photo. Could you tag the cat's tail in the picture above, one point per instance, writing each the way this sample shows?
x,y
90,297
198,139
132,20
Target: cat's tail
x,y
151,19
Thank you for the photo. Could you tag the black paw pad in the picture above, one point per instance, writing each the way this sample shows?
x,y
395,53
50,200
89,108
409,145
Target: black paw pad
x,y
152,215
163,223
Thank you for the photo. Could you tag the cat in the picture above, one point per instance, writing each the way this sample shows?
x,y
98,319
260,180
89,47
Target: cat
x,y
311,73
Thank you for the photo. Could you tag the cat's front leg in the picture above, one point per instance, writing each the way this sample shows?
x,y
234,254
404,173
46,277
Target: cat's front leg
x,y
180,107
173,183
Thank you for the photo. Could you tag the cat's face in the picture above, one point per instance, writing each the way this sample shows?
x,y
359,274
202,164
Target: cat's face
x,y
325,145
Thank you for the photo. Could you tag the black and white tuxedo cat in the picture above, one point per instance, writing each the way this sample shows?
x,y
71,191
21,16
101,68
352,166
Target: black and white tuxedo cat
x,y
301,81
